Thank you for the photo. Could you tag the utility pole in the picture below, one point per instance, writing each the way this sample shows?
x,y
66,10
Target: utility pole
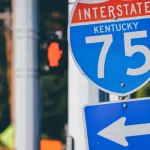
x,y
26,83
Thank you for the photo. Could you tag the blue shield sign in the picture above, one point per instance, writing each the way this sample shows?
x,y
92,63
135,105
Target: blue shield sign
x,y
110,42
123,125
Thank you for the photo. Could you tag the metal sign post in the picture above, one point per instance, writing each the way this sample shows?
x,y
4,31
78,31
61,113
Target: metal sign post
x,y
70,143
123,97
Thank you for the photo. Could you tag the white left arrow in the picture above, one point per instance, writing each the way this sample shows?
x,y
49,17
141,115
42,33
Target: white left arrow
x,y
117,131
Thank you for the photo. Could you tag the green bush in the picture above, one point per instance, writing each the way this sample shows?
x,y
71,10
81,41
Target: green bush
x,y
144,92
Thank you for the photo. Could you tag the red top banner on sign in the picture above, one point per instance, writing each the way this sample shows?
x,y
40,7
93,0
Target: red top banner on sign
x,y
90,12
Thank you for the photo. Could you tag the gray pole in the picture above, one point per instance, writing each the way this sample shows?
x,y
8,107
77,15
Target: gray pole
x,y
26,88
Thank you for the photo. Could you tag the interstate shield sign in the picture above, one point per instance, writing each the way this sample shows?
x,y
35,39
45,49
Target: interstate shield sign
x,y
110,42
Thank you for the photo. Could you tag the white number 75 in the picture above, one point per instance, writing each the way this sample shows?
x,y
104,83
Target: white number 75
x,y
129,51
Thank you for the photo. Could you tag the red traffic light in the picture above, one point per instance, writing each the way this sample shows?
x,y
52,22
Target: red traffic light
x,y
54,54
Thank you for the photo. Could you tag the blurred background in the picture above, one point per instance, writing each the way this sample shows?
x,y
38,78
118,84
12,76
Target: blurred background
x,y
53,19
53,75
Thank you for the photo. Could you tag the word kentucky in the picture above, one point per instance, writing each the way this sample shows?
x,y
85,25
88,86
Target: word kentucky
x,y
115,27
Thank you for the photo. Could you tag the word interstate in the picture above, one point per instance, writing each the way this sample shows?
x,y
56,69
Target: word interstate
x,y
103,11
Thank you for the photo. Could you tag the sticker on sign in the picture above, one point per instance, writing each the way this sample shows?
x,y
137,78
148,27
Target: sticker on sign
x,y
109,41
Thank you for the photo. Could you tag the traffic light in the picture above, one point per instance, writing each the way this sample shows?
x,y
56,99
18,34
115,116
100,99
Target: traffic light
x,y
57,55
54,54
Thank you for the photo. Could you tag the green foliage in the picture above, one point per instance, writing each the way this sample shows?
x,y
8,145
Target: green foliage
x,y
54,81
4,105
45,136
144,92
54,104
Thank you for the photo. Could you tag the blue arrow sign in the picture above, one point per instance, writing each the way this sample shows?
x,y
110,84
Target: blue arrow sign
x,y
112,53
119,125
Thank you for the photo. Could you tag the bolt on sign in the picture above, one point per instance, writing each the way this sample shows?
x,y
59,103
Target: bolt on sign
x,y
109,41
